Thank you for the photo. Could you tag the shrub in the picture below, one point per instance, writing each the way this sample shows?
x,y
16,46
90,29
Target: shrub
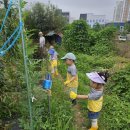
x,y
76,37
61,113
104,42
115,114
97,27
102,47
79,37
120,82
86,63
107,33
44,13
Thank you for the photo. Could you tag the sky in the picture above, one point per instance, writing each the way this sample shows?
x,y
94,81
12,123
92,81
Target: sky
x,y
75,7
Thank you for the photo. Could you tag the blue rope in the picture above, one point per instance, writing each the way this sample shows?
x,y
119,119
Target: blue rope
x,y
7,13
2,53
16,30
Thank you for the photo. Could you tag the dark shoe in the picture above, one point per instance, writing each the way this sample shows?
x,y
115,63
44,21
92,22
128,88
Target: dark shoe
x,y
74,102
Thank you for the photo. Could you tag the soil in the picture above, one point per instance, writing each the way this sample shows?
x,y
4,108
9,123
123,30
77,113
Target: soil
x,y
80,121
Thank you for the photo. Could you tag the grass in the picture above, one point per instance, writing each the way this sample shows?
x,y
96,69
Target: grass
x,y
62,113
86,63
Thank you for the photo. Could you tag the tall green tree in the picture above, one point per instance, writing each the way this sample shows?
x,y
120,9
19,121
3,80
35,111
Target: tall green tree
x,y
76,37
97,27
127,26
44,18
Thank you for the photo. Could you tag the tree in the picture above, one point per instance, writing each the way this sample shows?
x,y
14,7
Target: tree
x,y
97,27
76,37
44,18
127,26
108,33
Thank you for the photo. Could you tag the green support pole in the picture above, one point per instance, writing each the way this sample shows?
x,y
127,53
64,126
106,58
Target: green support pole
x,y
26,68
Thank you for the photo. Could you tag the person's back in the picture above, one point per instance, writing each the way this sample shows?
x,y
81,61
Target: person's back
x,y
54,55
53,60
42,40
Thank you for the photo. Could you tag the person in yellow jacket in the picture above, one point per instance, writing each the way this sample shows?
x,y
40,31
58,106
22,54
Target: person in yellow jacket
x,y
72,77
95,97
53,61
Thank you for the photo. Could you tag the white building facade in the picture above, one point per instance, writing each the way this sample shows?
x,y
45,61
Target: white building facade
x,y
67,16
92,19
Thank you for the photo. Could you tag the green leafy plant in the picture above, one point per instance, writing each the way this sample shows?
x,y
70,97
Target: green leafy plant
x,y
76,37
102,47
120,82
115,114
45,18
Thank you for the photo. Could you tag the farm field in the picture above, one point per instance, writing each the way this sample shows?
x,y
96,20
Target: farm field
x,y
26,104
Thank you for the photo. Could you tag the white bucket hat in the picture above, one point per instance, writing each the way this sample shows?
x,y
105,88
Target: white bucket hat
x,y
94,76
70,56
40,33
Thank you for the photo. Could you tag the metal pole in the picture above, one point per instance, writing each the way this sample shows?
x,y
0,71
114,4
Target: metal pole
x,y
26,67
49,106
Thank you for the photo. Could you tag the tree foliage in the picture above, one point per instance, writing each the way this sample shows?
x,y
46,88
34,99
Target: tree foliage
x,y
44,18
79,37
97,27
116,108
120,82
76,37
116,113
127,27
104,41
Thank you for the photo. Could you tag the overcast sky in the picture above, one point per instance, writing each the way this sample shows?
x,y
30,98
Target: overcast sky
x,y
75,7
